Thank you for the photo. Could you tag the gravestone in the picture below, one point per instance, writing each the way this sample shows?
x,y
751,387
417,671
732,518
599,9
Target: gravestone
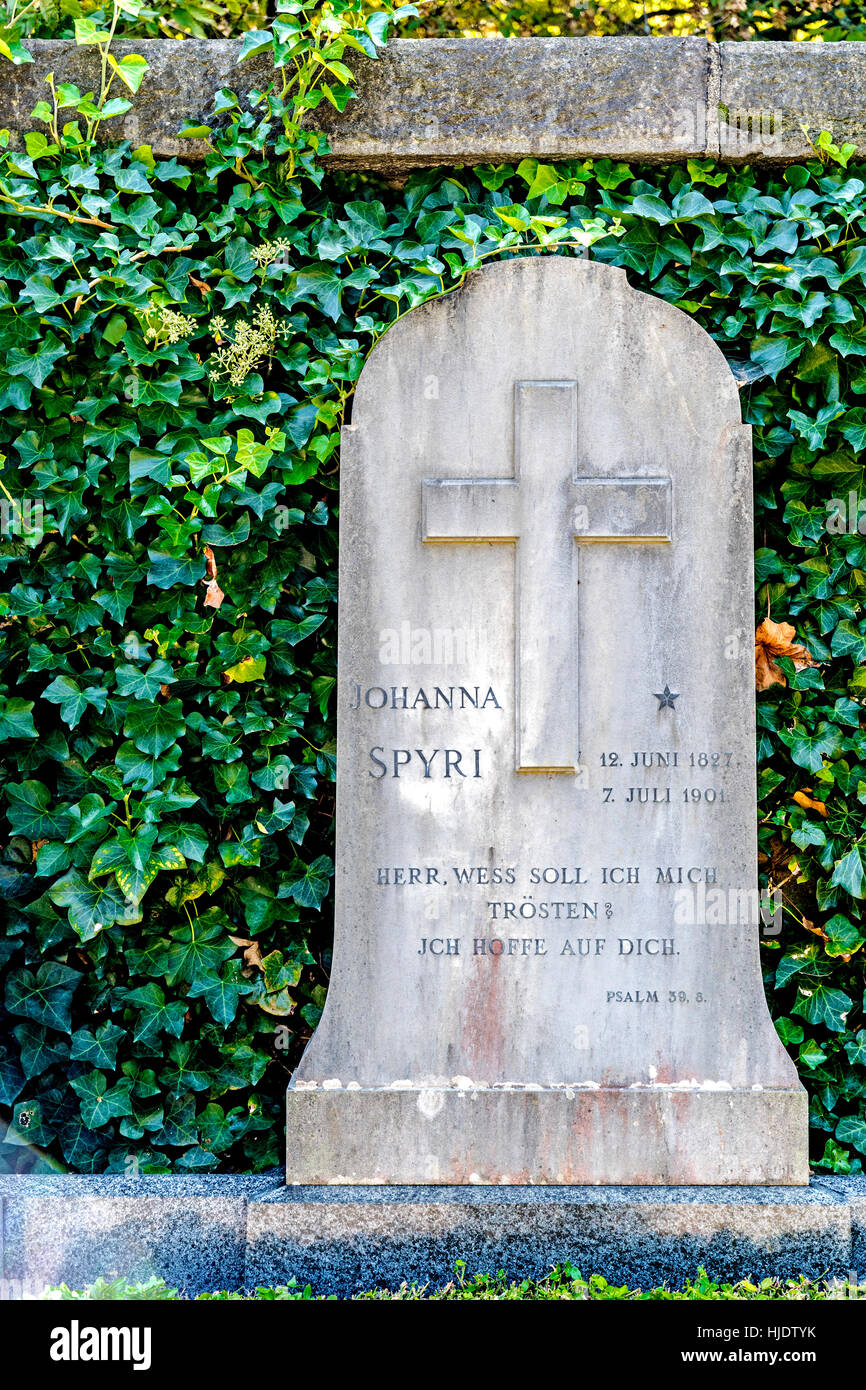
x,y
546,961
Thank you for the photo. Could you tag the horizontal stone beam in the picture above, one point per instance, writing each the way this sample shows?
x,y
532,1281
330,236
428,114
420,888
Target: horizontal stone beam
x,y
430,102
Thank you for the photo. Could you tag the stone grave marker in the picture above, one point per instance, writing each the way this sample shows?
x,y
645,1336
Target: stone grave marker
x,y
546,961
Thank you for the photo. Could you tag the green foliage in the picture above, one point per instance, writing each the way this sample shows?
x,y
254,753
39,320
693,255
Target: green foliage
x,y
567,1282
716,19
153,1290
719,20
564,1282
179,347
64,19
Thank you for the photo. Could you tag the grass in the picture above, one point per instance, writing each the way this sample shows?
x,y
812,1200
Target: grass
x,y
564,1282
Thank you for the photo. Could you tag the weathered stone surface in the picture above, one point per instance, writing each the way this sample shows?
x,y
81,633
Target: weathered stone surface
x,y
769,91
478,101
462,101
555,1135
180,86
73,1228
345,1240
546,951
424,102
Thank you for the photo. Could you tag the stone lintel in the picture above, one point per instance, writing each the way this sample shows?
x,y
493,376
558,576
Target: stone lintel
x,y
552,1135
430,102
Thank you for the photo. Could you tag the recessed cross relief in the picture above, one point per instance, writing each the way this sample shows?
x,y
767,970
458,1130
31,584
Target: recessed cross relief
x,y
542,510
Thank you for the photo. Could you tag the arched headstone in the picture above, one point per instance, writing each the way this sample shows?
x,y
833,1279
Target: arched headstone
x,y
546,959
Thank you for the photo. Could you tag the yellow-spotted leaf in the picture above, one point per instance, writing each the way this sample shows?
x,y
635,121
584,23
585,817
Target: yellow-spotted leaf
x,y
252,668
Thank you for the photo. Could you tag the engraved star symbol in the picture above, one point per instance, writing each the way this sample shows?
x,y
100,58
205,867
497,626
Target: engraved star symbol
x,y
666,698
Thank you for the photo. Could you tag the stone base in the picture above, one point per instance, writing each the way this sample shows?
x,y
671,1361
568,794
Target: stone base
x,y
344,1240
75,1228
546,1136
234,1232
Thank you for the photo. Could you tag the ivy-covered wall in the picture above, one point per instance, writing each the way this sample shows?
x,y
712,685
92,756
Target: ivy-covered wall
x,y
177,351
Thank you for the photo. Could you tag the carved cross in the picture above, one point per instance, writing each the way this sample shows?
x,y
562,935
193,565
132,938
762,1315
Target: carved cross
x,y
542,510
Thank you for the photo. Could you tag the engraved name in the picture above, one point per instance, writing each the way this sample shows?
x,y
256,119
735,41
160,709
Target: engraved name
x,y
404,697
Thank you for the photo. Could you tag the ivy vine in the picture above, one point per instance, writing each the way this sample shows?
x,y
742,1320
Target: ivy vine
x,y
179,345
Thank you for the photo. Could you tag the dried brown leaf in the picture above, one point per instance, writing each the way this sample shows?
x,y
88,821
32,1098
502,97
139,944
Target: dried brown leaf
x,y
773,640
214,595
253,956
816,931
808,803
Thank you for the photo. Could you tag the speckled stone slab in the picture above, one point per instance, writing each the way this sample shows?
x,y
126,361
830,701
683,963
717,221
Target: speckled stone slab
x,y
201,1233
346,1240
546,959
853,1191
73,1228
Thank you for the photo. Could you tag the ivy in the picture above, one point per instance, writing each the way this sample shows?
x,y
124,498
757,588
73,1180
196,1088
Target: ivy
x,y
180,347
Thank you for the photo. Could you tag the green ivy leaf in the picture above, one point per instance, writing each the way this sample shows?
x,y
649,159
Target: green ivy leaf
x,y
156,1015
98,1046
155,727
144,685
46,996
100,1102
825,1005
16,719
143,771
810,747
29,814
852,1130
40,1049
308,884
91,907
198,951
167,570
221,994
179,1129
843,936
789,1031
849,641
73,701
850,872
